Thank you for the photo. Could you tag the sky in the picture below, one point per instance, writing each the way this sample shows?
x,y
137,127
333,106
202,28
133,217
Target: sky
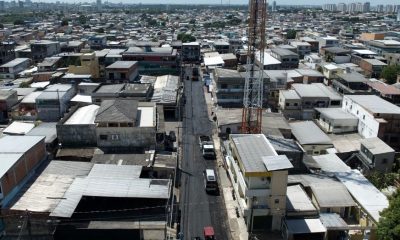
x,y
285,2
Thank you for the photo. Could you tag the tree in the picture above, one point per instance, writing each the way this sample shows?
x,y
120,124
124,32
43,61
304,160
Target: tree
x,y
82,19
192,21
389,223
100,30
24,85
390,73
18,22
186,37
291,34
1,26
64,22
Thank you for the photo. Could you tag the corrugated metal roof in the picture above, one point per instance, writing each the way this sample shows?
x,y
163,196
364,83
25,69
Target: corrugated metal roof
x,y
297,200
106,187
18,144
251,148
47,129
117,111
49,188
303,226
8,160
366,194
307,132
274,163
115,171
84,115
333,221
165,89
375,104
18,128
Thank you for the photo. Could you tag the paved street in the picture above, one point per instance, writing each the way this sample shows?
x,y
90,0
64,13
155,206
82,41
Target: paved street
x,y
198,208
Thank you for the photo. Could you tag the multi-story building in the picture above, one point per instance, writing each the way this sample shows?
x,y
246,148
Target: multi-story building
x,y
191,52
97,42
229,88
126,125
153,60
122,71
221,46
299,102
302,48
89,65
42,49
8,98
7,52
259,176
288,59
376,117
342,7
326,42
11,69
384,46
53,102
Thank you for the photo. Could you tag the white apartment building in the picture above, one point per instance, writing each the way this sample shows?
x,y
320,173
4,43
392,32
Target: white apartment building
x,y
259,176
376,117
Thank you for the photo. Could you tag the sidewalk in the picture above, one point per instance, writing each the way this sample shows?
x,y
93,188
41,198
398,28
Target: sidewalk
x,y
238,228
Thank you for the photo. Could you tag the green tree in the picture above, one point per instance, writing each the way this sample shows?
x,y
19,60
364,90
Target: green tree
x,y
82,19
19,22
389,224
291,34
186,37
24,85
390,73
64,22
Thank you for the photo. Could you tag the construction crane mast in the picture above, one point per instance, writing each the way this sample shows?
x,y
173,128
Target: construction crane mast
x,y
254,87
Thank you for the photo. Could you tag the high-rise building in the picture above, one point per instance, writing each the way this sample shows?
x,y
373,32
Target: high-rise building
x,y
329,7
99,5
367,7
398,14
274,6
380,8
389,8
342,7
1,5
352,7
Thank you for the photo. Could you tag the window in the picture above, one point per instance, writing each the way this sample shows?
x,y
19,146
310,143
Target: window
x,y
111,76
276,201
384,161
103,137
115,137
123,75
287,104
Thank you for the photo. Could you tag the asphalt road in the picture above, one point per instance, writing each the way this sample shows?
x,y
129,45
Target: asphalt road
x,y
198,209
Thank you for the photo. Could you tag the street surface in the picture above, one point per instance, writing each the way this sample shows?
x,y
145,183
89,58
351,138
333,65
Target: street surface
x,y
198,209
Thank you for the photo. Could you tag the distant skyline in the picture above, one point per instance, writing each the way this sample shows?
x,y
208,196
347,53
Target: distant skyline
x,y
283,2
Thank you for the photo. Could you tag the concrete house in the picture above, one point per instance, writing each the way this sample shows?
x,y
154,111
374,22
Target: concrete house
x,y
336,120
376,117
78,129
122,72
44,48
7,52
299,102
313,140
376,155
288,59
8,98
259,177
53,102
11,69
126,125
19,155
191,52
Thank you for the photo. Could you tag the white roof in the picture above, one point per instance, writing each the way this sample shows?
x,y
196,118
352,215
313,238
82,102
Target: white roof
x,y
375,104
82,98
299,226
18,128
212,61
298,199
366,194
331,163
331,67
31,97
7,161
84,115
146,116
364,52
40,84
268,59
